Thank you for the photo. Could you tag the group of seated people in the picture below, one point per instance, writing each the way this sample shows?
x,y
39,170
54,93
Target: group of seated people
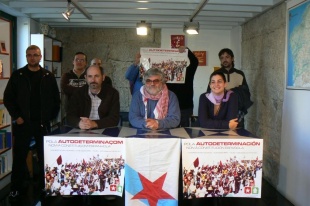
x,y
97,105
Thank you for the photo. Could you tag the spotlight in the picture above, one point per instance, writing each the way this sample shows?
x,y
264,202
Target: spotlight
x,y
191,27
68,12
142,28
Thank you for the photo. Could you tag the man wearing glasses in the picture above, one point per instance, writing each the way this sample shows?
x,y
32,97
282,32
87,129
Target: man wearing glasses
x,y
75,78
32,99
154,106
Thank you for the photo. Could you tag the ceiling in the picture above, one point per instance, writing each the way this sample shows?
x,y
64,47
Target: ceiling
x,y
211,14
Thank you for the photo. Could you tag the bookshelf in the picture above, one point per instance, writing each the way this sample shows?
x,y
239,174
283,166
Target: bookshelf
x,y
5,119
51,50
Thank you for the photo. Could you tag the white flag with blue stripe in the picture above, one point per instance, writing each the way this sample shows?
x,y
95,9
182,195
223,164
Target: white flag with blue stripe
x,y
152,171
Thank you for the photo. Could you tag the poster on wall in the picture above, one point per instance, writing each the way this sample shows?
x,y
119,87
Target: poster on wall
x,y
202,57
222,167
298,47
170,61
177,41
84,165
3,49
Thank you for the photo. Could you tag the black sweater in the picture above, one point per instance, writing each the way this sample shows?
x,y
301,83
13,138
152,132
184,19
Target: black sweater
x,y
185,92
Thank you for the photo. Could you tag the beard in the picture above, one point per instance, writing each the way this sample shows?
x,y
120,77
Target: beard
x,y
36,64
94,85
227,65
153,90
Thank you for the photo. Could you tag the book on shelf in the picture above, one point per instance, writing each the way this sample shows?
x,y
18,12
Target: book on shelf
x,y
2,139
3,116
5,139
8,139
4,163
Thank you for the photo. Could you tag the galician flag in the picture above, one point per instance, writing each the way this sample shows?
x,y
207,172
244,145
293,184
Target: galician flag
x,y
152,171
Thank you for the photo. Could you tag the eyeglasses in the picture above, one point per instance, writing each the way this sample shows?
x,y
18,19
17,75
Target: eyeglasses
x,y
79,60
32,55
155,81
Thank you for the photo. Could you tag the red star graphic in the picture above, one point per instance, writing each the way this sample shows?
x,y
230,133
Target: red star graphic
x,y
152,191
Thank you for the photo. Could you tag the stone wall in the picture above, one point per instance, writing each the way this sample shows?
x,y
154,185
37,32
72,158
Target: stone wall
x,y
116,47
263,53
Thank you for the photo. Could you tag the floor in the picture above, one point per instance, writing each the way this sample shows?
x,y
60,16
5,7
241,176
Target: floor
x,y
270,197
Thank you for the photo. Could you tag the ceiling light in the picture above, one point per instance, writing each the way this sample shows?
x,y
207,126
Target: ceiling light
x,y
68,12
142,28
191,27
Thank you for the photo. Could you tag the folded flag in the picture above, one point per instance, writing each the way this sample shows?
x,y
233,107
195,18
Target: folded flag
x,y
152,171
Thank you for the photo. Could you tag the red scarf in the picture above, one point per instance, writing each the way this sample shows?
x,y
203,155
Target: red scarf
x,y
161,109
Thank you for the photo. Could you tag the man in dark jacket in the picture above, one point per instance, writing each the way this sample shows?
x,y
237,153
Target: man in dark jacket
x,y
32,99
96,105
74,79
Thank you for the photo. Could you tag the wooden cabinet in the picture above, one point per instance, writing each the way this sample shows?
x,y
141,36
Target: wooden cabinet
x,y
51,50
5,119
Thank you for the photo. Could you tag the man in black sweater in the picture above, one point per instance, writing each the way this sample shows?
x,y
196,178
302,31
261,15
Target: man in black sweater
x,y
32,99
185,91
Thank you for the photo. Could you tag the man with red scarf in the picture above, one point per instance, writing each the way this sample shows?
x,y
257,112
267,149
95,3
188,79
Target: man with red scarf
x,y
154,106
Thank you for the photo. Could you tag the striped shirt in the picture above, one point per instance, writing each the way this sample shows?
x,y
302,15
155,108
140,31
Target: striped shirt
x,y
95,102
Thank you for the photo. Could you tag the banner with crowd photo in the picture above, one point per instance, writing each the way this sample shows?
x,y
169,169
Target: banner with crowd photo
x,y
170,61
222,167
84,165
152,171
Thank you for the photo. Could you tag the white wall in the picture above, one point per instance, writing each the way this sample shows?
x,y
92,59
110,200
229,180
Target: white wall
x,y
25,27
294,176
211,41
23,40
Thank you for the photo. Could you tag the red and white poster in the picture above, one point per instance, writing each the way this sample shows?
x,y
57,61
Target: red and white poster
x,y
177,41
202,57
170,61
229,167
84,165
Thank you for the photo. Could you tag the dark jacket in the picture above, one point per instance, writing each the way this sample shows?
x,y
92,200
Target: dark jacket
x,y
244,98
185,92
80,106
228,111
70,82
17,96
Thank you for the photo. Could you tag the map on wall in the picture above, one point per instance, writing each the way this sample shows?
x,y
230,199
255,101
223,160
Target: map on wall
x,y
298,56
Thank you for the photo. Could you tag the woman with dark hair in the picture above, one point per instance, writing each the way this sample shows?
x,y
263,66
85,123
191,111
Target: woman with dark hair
x,y
219,108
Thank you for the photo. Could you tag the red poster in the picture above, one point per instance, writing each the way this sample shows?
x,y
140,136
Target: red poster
x,y
177,41
202,57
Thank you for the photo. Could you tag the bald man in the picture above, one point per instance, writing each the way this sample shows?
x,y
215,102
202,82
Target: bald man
x,y
95,105
97,62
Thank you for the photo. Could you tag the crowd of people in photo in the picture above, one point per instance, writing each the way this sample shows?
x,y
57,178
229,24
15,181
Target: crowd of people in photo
x,y
172,69
225,179
86,177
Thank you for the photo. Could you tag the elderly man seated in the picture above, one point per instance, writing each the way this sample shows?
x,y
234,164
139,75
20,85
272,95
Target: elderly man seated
x,y
154,106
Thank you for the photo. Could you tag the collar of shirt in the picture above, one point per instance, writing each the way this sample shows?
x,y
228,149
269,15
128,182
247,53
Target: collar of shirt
x,y
93,94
